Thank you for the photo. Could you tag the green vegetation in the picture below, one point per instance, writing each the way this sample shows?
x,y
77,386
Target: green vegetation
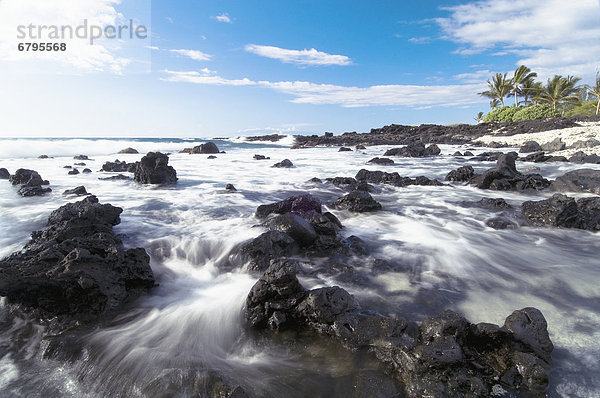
x,y
540,111
559,96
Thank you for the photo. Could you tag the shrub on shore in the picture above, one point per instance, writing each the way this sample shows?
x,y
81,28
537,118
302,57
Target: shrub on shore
x,y
502,114
540,111
587,108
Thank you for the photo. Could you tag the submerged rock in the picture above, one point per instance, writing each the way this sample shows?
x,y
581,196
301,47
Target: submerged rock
x,y
383,161
505,177
358,201
207,148
154,169
582,180
129,150
118,177
76,267
562,211
79,191
462,174
381,177
345,149
118,166
415,150
73,172
260,157
4,174
285,163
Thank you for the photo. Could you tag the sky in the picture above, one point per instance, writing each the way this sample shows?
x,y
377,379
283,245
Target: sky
x,y
220,68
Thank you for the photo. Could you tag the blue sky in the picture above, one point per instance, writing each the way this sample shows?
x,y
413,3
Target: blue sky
x,y
227,68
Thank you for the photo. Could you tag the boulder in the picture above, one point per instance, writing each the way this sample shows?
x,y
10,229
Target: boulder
x,y
81,157
230,188
295,226
537,157
432,150
118,166
457,153
73,172
4,174
29,182
78,191
383,161
530,146
582,157
500,223
358,201
129,150
260,157
86,171
207,148
285,163
211,157
154,169
35,190
360,147
562,211
118,177
381,177
76,268
345,149
492,204
582,180
43,157
268,246
554,145
584,144
303,205
505,177
462,174
415,150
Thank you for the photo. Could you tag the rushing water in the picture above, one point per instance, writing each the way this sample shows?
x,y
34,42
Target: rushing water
x,y
171,341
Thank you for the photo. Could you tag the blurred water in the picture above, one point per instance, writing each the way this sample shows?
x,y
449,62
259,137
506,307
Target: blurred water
x,y
443,254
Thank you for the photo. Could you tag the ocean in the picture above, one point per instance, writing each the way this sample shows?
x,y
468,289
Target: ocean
x,y
170,341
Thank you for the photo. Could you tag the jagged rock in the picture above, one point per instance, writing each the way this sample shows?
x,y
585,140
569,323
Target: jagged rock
x,y
79,191
76,267
295,226
358,201
562,211
582,157
268,246
154,169
381,177
345,149
360,147
206,148
554,145
505,177
35,190
30,183
303,205
492,204
118,166
383,161
500,223
582,180
230,188
4,174
457,153
530,146
81,157
73,172
537,157
285,163
584,144
260,157
416,150
118,177
462,174
129,150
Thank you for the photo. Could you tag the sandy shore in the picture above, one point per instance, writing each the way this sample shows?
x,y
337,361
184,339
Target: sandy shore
x,y
569,136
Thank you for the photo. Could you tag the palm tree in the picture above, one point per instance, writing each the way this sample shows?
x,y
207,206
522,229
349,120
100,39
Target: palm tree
x,y
479,117
559,89
494,103
595,91
499,87
532,89
522,76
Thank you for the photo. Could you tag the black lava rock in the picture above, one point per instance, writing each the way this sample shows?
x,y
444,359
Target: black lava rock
x,y
562,211
582,180
462,174
4,174
285,163
207,148
129,150
154,169
79,191
358,201
383,161
530,146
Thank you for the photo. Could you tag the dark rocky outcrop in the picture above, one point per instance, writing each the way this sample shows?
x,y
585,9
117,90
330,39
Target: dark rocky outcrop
x,y
303,205
73,172
582,157
211,157
118,177
492,204
44,157
416,150
285,163
462,174
582,180
230,188
86,171
81,157
79,164
76,267
530,146
29,182
119,167
381,177
154,169
207,148
4,174
445,355
79,191
358,201
261,157
269,138
486,156
129,150
505,177
345,149
457,153
500,223
554,145
563,211
584,144
383,161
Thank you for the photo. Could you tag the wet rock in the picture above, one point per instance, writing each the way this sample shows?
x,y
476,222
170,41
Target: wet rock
x,y
79,164
486,156
529,326
582,157
462,174
492,204
154,169
211,157
582,180
260,157
295,226
303,205
76,267
554,145
86,171
81,157
268,246
381,177
358,201
416,150
4,174
79,191
44,157
117,166
530,146
345,149
129,150
337,181
468,153
584,144
73,172
536,157
119,177
383,161
230,188
360,147
29,182
500,223
589,213
457,153
505,177
67,167
207,148
316,180
557,211
285,163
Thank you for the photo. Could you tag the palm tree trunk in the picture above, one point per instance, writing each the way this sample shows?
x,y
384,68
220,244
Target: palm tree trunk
x,y
516,101
598,106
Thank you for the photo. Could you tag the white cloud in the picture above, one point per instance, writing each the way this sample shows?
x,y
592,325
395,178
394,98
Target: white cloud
x,y
551,36
169,20
223,18
313,93
420,40
474,77
302,57
103,55
193,54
